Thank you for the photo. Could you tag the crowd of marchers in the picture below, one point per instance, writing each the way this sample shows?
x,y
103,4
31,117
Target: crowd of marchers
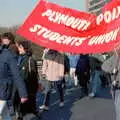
x,y
20,80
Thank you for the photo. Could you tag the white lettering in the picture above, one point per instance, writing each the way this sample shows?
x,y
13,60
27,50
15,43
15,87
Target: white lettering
x,y
47,13
118,9
107,16
76,23
59,18
60,39
114,36
80,41
105,38
35,28
63,19
55,36
47,34
41,31
92,40
83,22
70,21
99,19
86,26
114,13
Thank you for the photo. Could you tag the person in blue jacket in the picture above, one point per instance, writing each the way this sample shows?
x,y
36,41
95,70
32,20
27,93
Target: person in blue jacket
x,y
9,75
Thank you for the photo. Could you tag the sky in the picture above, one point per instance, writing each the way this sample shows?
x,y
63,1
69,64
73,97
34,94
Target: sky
x,y
14,12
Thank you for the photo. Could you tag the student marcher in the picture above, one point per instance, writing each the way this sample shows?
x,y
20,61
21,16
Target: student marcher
x,y
73,60
53,70
28,71
83,73
9,76
112,66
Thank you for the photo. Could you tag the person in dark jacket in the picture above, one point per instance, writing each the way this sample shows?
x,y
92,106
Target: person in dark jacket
x,y
28,71
10,75
83,72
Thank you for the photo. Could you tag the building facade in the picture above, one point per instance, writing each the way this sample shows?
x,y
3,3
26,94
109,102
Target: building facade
x,y
94,6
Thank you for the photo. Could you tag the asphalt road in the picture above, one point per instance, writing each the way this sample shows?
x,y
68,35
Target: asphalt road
x,y
77,108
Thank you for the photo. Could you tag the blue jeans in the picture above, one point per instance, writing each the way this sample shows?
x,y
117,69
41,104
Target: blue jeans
x,y
117,104
58,84
7,113
95,81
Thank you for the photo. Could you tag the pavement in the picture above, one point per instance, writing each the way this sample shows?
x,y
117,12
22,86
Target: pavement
x,y
77,108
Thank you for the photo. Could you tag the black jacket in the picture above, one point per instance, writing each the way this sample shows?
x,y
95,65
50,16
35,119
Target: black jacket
x,y
66,64
28,71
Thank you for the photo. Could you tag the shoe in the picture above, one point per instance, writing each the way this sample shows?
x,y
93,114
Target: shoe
x,y
91,95
53,91
19,116
43,107
61,104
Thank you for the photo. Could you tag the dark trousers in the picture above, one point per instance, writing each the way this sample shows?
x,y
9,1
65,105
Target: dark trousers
x,y
60,90
29,106
83,79
24,108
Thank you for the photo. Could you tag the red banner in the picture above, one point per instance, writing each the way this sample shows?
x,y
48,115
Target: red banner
x,y
69,30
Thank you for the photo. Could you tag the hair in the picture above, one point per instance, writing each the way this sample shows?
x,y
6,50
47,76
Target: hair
x,y
27,47
9,36
14,49
51,51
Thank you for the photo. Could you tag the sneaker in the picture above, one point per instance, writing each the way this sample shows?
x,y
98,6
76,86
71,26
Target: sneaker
x,y
53,91
61,104
19,116
91,95
43,107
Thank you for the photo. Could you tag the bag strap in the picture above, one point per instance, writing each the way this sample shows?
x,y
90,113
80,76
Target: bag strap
x,y
29,64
